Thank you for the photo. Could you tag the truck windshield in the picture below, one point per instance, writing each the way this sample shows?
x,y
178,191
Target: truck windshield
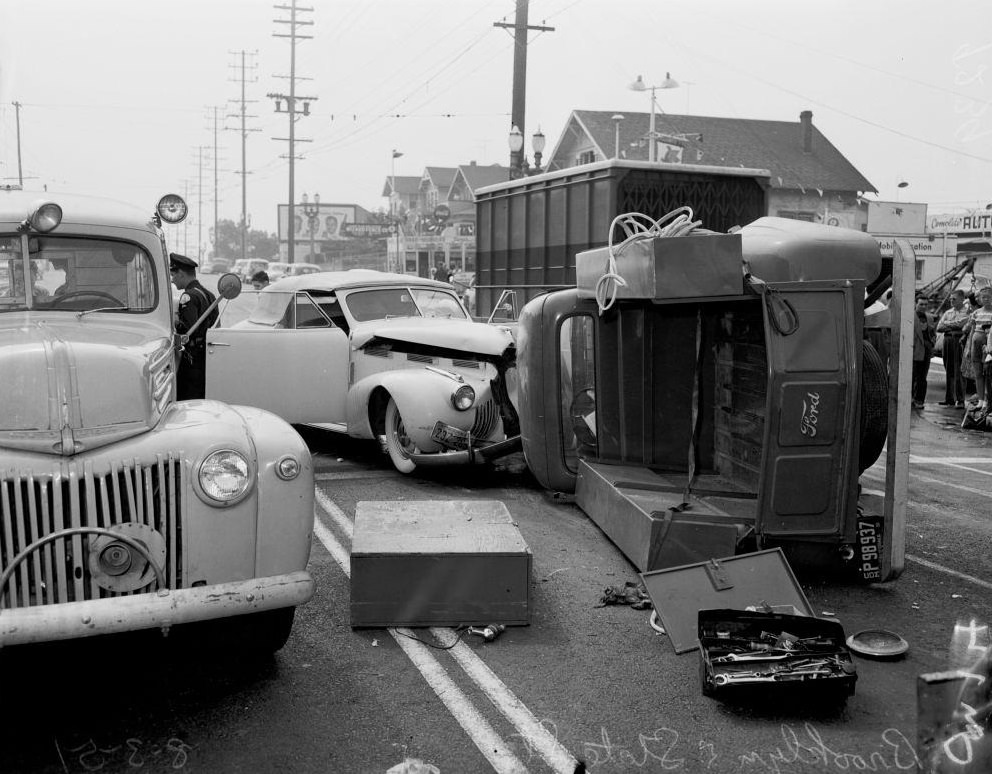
x,y
75,274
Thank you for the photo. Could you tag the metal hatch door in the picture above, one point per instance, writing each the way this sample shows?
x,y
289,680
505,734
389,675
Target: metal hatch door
x,y
811,429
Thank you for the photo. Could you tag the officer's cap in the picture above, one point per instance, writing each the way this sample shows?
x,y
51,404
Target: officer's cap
x,y
177,261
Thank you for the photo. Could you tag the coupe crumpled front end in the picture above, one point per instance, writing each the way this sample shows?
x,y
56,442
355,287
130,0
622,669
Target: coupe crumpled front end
x,y
435,394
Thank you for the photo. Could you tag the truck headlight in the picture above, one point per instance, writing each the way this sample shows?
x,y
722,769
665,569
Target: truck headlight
x,y
463,398
224,476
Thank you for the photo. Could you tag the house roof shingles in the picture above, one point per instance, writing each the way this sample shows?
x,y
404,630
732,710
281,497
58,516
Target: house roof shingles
x,y
735,142
477,176
406,185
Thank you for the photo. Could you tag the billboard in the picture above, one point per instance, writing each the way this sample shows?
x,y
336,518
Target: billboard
x,y
977,222
327,222
896,218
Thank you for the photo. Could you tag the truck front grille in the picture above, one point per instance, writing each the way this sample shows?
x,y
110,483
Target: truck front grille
x,y
33,507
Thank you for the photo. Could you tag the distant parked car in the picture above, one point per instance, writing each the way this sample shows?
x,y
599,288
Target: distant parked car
x,y
299,269
374,355
276,270
216,266
246,267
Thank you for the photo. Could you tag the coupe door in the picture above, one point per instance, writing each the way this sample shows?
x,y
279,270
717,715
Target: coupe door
x,y
300,374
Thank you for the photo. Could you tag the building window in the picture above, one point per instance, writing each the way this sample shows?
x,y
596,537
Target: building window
x,y
810,217
919,271
587,157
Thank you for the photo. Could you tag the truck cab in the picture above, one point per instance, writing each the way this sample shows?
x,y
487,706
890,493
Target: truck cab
x,y
722,398
122,508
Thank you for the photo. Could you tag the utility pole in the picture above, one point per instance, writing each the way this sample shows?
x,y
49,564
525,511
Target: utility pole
x,y
186,220
17,114
291,99
520,28
216,188
244,151
199,208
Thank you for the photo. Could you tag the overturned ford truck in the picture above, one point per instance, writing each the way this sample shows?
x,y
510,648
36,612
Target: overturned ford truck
x,y
705,395
122,508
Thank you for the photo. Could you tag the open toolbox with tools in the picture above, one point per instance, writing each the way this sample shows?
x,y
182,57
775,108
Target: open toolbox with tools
x,y
761,649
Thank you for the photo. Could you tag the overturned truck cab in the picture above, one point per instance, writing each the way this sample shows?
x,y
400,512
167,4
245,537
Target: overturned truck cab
x,y
718,397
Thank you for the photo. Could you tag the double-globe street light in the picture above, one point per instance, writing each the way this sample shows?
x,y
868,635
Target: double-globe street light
x,y
639,85
516,143
312,211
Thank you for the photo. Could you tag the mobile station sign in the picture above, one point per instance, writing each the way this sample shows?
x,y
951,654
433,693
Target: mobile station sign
x,y
924,245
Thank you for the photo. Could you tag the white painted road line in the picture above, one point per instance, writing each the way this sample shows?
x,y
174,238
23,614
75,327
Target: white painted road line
x,y
537,736
927,480
461,708
489,743
949,571
339,516
354,475
949,460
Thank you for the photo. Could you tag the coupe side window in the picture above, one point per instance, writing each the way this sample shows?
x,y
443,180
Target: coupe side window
x,y
308,314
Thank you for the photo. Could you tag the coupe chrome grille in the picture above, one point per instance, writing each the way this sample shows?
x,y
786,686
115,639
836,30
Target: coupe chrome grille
x,y
33,507
486,417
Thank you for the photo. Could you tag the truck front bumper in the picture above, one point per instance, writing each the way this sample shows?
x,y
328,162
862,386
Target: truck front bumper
x,y
164,608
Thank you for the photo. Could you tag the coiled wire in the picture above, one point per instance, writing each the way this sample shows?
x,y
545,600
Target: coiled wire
x,y
637,227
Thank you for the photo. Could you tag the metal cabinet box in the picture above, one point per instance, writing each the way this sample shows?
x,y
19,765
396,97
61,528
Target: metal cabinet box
x,y
438,563
667,268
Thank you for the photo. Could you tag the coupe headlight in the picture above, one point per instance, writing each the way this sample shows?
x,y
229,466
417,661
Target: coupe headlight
x,y
225,476
463,398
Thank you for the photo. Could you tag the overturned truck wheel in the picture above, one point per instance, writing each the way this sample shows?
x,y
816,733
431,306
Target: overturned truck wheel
x,y
874,406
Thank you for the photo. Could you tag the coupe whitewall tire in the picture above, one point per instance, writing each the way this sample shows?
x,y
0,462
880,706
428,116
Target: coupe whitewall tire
x,y
398,445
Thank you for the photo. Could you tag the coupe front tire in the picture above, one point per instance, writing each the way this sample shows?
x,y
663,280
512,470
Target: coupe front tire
x,y
398,444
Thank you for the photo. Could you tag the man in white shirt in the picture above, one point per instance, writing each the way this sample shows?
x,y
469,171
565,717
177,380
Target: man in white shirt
x,y
951,324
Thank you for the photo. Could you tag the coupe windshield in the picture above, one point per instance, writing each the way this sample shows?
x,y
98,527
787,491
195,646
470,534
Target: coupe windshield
x,y
75,274
384,303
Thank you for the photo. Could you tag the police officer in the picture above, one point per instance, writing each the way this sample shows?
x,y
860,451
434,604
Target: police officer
x,y
191,377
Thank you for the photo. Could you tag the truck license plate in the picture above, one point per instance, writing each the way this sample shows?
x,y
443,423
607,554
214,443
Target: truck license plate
x,y
870,548
449,436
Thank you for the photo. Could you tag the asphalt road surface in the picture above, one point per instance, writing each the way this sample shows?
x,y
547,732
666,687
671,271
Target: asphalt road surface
x,y
580,683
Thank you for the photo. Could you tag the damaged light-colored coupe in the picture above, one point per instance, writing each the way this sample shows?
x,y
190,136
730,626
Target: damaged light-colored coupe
x,y
374,355
120,507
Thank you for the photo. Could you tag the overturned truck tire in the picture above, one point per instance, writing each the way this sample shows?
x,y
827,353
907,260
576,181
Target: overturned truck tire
x,y
874,406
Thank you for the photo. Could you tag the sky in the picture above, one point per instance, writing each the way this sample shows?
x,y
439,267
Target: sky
x,y
121,98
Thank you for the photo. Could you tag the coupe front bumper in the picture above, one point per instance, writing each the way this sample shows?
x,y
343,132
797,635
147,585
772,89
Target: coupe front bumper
x,y
71,620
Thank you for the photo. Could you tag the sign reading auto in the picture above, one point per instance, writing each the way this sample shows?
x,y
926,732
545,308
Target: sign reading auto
x,y
368,230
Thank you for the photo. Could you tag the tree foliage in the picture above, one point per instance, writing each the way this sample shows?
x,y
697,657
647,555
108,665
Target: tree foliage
x,y
228,242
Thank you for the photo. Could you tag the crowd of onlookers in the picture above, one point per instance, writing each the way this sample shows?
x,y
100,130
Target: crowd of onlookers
x,y
960,335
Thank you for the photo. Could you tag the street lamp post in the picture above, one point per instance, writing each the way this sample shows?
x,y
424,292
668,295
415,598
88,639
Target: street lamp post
x,y
639,85
516,143
313,221
393,199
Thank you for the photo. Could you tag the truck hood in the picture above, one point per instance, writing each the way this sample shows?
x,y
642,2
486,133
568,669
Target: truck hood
x,y
459,335
73,387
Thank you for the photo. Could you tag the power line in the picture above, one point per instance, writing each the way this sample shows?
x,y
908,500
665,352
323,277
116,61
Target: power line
x,y
243,78
293,23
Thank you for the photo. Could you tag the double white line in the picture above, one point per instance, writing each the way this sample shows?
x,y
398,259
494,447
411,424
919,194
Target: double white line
x,y
535,736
